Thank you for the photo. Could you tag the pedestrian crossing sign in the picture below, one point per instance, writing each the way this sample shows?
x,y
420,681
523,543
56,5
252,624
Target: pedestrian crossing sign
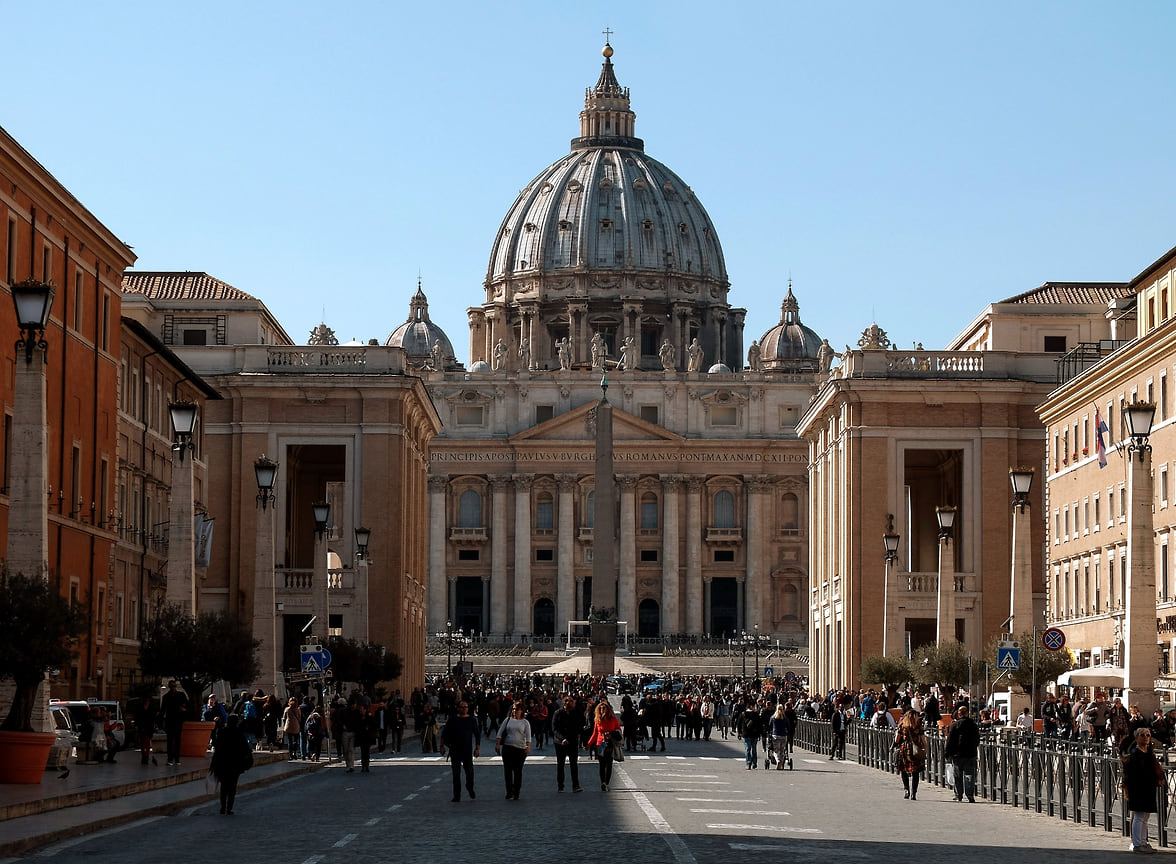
x,y
1008,658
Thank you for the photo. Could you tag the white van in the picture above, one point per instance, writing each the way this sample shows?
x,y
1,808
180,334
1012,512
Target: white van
x,y
999,703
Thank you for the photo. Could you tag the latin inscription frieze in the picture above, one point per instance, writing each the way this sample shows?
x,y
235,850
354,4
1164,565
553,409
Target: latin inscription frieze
x,y
618,456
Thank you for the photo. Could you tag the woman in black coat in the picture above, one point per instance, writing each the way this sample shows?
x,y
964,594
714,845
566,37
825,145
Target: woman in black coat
x,y
232,757
1142,775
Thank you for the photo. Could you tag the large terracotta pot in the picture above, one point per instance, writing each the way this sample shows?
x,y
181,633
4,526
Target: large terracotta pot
x,y
194,739
24,755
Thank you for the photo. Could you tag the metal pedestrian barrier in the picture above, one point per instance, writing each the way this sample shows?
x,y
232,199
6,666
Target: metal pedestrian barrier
x,y
1076,781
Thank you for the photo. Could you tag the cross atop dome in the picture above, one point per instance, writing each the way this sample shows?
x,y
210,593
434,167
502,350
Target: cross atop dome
x,y
607,119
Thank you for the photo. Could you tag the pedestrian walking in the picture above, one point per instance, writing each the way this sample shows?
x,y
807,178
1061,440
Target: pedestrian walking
x,y
462,737
292,727
144,720
1142,776
601,742
174,708
567,726
513,744
232,757
749,727
910,746
961,749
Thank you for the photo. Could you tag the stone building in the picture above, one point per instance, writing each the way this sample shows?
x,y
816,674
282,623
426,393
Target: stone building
x,y
1106,540
50,236
896,434
607,265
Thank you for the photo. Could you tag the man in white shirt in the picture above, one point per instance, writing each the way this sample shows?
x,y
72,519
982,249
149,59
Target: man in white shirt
x,y
882,718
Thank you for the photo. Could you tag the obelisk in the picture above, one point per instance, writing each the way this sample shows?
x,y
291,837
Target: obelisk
x,y
602,615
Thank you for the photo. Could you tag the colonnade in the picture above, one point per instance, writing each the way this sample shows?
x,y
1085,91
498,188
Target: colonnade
x,y
683,597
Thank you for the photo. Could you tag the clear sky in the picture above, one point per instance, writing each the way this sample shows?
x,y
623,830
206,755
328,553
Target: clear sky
x,y
905,163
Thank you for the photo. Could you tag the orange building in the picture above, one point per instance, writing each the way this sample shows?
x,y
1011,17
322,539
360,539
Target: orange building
x,y
49,235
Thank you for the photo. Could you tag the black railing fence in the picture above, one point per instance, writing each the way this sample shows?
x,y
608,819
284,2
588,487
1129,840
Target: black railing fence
x,y
1071,780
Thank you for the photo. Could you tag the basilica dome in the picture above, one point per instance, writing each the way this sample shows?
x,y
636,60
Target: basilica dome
x,y
790,345
418,336
606,242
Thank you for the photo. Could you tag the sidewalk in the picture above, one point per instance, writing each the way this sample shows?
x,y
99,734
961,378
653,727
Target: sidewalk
x,y
97,796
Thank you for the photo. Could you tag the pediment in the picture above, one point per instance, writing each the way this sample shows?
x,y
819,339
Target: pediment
x,y
723,397
468,396
579,424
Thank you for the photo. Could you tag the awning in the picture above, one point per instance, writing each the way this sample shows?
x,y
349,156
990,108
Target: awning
x,y
1095,676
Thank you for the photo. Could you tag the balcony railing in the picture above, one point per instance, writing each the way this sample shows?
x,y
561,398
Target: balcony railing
x,y
723,536
468,536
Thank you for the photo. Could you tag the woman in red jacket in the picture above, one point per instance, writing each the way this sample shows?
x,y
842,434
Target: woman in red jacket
x,y
601,742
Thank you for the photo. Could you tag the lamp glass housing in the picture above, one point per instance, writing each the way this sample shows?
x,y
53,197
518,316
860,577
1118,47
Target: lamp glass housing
x,y
362,537
1139,417
267,472
890,541
1021,480
183,417
946,517
322,515
33,301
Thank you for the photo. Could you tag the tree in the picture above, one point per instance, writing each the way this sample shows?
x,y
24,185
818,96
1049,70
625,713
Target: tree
x,y
945,665
1050,664
889,672
365,663
38,628
197,651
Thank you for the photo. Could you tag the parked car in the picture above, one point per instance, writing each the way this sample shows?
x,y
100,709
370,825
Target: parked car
x,y
664,685
79,711
64,726
618,684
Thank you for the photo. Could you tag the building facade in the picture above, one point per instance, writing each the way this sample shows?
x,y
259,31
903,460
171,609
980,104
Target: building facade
x,y
51,237
1094,559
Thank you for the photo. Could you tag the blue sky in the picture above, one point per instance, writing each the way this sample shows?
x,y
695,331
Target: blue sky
x,y
904,163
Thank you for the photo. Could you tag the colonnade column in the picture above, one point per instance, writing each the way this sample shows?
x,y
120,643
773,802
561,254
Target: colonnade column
x,y
522,549
438,585
498,547
671,617
754,595
565,583
627,570
695,611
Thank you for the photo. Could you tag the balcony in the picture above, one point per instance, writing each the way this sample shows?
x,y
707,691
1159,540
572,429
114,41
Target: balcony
x,y
467,536
928,583
585,535
724,536
297,580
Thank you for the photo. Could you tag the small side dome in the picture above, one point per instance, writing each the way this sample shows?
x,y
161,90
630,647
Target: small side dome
x,y
418,336
790,346
718,369
480,367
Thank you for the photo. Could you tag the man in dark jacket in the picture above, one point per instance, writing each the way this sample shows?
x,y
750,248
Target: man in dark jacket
x,y
174,708
963,743
462,737
837,751
567,730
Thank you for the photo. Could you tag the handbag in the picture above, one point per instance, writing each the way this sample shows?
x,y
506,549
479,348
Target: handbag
x,y
951,769
618,752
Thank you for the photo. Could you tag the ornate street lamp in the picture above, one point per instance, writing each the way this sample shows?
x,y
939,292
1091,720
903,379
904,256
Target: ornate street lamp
x,y
945,616
183,420
322,516
945,516
33,300
890,542
363,537
1022,481
266,471
1139,417
265,588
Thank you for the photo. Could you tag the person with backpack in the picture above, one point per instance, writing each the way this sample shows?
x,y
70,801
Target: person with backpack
x,y
750,728
315,731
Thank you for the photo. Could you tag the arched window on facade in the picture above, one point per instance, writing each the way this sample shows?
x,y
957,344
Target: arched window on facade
x,y
724,509
791,603
470,509
545,512
649,511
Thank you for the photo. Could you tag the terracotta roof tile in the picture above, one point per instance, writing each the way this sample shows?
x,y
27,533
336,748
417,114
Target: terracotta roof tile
x,y
1074,292
183,285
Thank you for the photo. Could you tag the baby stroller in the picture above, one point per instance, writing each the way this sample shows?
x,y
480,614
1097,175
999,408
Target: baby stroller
x,y
779,752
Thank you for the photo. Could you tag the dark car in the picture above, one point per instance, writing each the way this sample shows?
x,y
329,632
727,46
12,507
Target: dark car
x,y
618,684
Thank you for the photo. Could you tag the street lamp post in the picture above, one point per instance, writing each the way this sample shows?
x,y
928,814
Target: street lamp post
x,y
265,591
945,627
448,647
890,543
756,636
28,503
322,518
1140,663
1021,587
363,536
181,530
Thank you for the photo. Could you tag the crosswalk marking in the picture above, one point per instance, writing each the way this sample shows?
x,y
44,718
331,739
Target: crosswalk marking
x,y
740,812
780,829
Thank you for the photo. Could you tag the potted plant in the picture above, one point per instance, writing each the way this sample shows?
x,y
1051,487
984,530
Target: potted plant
x,y
38,628
197,651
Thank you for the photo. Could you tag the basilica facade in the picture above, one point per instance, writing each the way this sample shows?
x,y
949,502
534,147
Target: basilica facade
x,y
607,266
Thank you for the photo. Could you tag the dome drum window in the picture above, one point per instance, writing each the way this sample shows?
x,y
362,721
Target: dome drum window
x,y
564,225
606,224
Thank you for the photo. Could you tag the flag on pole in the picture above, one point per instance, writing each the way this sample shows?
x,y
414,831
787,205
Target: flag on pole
x,y
1101,429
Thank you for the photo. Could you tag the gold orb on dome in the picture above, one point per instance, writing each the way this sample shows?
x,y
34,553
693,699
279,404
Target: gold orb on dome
x,y
607,51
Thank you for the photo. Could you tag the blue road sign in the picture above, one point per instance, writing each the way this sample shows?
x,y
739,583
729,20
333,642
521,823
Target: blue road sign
x,y
1008,659
769,671
315,659
1053,639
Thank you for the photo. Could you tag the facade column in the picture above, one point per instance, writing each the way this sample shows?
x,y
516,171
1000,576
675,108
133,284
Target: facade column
x,y
565,583
28,510
1021,593
498,556
486,604
181,536
450,603
671,616
321,580
755,591
522,557
945,627
265,609
438,605
1140,660
695,612
627,575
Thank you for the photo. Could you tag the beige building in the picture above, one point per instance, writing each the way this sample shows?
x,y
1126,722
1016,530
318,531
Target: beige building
x,y
902,433
1092,563
608,265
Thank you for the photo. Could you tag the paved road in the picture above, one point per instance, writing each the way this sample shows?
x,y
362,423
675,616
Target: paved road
x,y
695,803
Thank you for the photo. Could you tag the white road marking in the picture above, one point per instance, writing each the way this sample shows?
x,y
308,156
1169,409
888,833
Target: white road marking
x,y
742,812
696,782
410,796
74,841
795,849
781,829
673,757
667,774
815,761
313,859
347,838
660,825
726,800
393,808
708,758
373,821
